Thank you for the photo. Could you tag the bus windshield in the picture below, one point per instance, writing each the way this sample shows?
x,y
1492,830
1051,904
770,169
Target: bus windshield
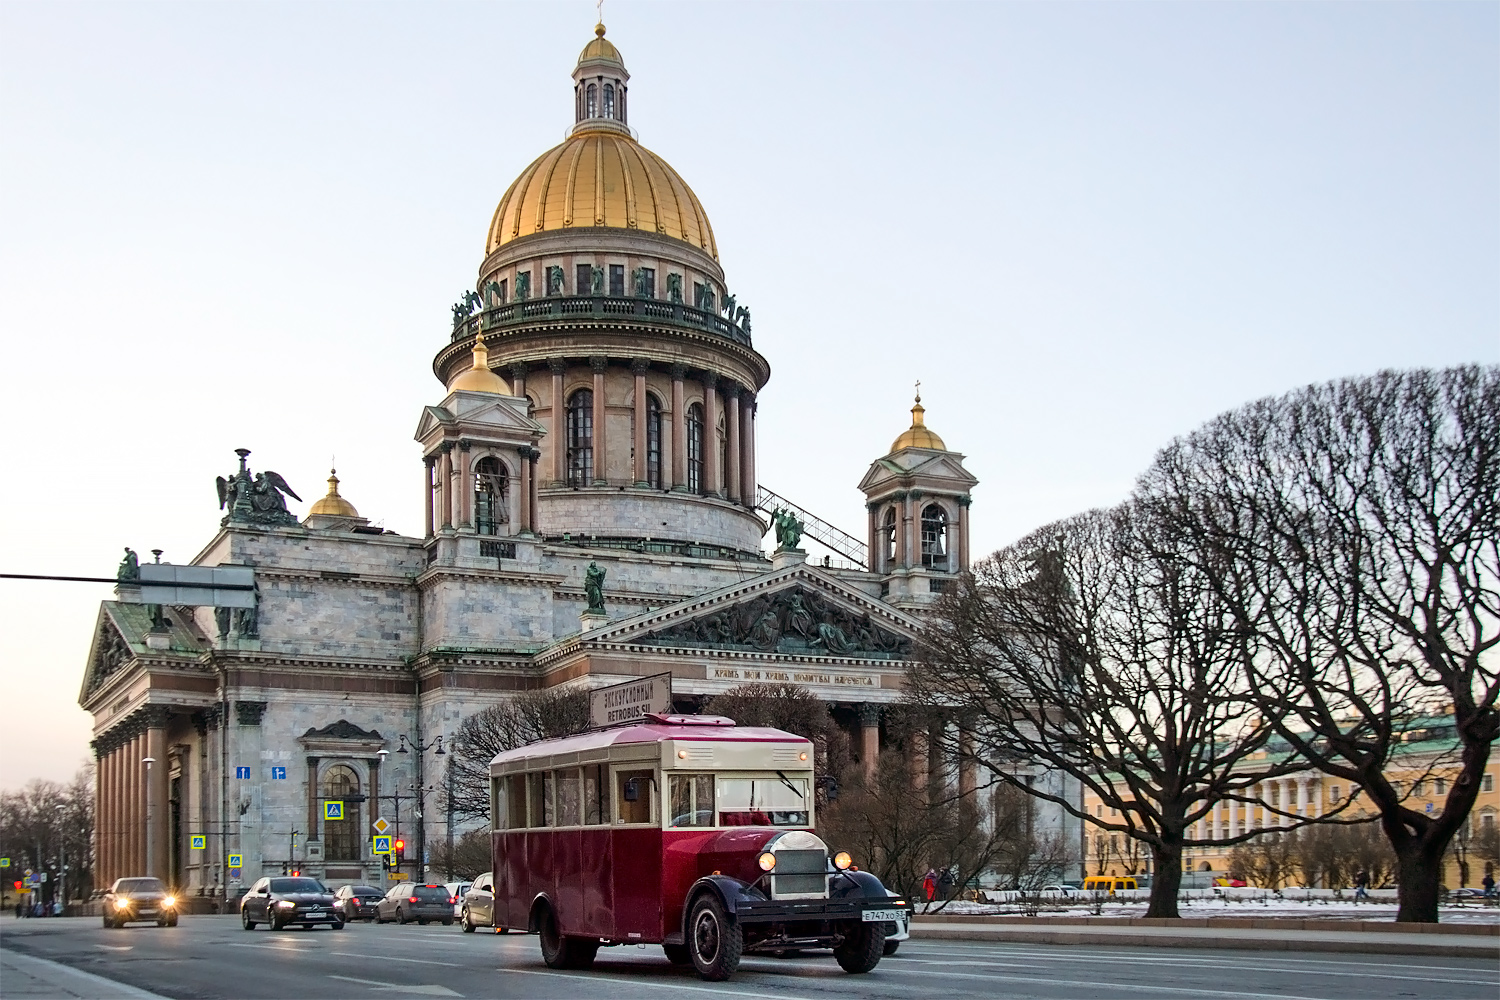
x,y
699,800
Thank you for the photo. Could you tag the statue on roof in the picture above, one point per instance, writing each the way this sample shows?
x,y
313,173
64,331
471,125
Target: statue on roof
x,y
593,588
788,529
130,567
255,499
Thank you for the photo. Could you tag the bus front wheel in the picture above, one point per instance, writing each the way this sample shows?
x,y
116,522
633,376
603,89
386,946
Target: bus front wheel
x,y
861,948
714,942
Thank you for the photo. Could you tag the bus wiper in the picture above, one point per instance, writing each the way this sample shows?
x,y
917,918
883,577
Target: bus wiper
x,y
788,783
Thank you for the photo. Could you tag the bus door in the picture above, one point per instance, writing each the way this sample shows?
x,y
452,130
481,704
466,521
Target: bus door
x,y
636,836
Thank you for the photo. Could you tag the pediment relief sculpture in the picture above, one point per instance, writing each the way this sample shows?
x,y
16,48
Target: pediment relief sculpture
x,y
790,621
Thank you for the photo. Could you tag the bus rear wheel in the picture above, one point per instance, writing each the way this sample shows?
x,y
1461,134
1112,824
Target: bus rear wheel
x,y
561,952
713,941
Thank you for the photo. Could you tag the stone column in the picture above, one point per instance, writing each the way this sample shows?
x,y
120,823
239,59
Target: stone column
x,y
872,532
639,367
901,507
919,767
156,797
869,739
1218,821
138,804
1234,819
1318,796
711,464
445,484
559,428
732,448
1283,799
535,518
963,533
967,775
374,812
1302,796
427,465
601,451
108,799
679,431
523,505
312,800
465,488
912,528
518,380
749,482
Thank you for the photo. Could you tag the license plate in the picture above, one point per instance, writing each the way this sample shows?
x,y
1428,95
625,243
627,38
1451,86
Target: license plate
x,y
881,916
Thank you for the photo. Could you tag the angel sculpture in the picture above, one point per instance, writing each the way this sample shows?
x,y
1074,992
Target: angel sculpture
x,y
257,499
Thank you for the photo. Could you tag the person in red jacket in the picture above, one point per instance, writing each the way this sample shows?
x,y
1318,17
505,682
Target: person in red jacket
x,y
929,884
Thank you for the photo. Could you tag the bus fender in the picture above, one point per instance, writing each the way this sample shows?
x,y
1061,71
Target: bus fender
x,y
533,918
856,885
728,890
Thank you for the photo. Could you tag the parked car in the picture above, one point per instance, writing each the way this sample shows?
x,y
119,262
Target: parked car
x,y
289,899
139,899
1227,882
406,902
477,908
357,902
1060,889
458,890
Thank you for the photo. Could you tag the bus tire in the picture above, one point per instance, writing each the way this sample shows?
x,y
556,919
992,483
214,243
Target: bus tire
x,y
861,948
677,954
714,942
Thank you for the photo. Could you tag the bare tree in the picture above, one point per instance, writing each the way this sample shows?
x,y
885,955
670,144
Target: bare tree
x,y
1266,860
526,718
1095,648
467,859
48,826
1354,528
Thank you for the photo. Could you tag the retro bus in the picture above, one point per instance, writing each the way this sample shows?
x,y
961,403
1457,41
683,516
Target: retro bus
x,y
680,830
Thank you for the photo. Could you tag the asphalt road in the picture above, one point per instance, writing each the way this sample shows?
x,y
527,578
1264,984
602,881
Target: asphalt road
x,y
212,957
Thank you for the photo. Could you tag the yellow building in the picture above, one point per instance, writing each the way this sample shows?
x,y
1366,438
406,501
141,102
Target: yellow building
x,y
1427,765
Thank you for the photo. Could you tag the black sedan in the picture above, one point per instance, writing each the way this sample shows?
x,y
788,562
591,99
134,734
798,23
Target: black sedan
x,y
139,899
287,900
358,902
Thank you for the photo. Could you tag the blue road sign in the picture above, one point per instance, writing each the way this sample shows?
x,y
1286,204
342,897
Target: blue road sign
x,y
200,842
242,772
333,810
381,845
236,861
278,773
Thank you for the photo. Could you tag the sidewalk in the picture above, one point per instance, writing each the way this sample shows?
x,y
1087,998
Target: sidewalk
x,y
1356,937
38,978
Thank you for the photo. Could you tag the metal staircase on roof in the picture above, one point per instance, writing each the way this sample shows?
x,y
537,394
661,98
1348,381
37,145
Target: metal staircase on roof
x,y
837,539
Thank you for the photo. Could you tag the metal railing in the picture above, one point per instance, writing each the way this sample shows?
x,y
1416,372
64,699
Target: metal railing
x,y
599,307
837,539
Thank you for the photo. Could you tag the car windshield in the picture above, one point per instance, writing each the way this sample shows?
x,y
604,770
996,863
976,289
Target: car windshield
x,y
141,885
776,800
296,885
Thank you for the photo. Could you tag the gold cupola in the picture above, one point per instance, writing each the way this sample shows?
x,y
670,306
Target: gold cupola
x,y
333,505
479,377
918,435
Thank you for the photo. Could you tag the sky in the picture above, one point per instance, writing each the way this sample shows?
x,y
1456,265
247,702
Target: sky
x,y
1086,228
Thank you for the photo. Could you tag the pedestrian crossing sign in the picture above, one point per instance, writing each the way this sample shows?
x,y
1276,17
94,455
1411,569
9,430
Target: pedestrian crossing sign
x,y
333,810
380,845
236,861
199,841
4,862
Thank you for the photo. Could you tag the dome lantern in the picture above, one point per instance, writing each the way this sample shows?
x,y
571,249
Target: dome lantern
x,y
479,376
599,87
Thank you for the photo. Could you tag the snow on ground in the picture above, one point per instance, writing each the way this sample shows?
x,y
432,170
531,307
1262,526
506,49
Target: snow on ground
x,y
1269,908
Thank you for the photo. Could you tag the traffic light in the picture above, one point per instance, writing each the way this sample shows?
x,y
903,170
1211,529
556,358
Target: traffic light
x,y
400,848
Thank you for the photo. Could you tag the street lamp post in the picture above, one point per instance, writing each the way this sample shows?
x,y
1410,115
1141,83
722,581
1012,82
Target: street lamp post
x,y
148,761
420,792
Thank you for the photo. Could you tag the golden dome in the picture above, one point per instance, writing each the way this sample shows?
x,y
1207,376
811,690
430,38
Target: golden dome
x,y
918,435
600,49
601,178
479,377
333,505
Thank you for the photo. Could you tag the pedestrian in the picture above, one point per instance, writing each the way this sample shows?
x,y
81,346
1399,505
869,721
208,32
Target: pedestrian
x,y
1361,883
929,884
20,907
946,882
1489,885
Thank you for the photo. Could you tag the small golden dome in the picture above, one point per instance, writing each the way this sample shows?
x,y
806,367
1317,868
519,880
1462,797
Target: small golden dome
x,y
600,49
601,178
918,435
478,377
333,505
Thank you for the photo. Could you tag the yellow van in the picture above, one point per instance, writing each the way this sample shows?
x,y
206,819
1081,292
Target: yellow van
x,y
1109,883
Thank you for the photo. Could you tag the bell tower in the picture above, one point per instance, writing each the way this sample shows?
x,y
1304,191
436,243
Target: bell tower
x,y
918,501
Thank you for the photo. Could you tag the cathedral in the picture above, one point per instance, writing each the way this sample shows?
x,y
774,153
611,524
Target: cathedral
x,y
593,514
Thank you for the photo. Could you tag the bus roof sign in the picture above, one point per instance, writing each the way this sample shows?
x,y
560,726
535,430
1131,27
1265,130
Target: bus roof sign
x,y
630,701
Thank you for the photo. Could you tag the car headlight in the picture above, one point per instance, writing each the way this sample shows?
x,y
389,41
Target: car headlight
x,y
169,901
285,904
767,861
122,904
842,861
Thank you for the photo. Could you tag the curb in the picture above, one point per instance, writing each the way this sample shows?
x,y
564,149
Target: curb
x,y
42,978
1220,923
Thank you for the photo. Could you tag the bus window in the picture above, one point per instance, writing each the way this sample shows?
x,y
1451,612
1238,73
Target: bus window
x,y
515,802
692,798
594,810
632,797
539,798
497,803
567,797
774,801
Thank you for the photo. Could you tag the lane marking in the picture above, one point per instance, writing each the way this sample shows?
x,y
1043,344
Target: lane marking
x,y
652,983
431,991
1246,968
1095,984
1032,951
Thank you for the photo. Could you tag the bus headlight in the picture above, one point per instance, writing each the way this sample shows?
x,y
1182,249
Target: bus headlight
x,y
767,861
842,861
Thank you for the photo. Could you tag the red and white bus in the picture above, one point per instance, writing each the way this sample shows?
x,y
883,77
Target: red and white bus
x,y
685,831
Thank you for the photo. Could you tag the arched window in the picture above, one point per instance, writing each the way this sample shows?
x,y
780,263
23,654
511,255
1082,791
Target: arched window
x,y
491,492
341,841
581,438
591,103
934,537
695,448
609,101
653,442
888,536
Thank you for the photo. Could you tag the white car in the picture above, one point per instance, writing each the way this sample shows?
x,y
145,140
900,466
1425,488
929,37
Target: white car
x,y
903,931
458,890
